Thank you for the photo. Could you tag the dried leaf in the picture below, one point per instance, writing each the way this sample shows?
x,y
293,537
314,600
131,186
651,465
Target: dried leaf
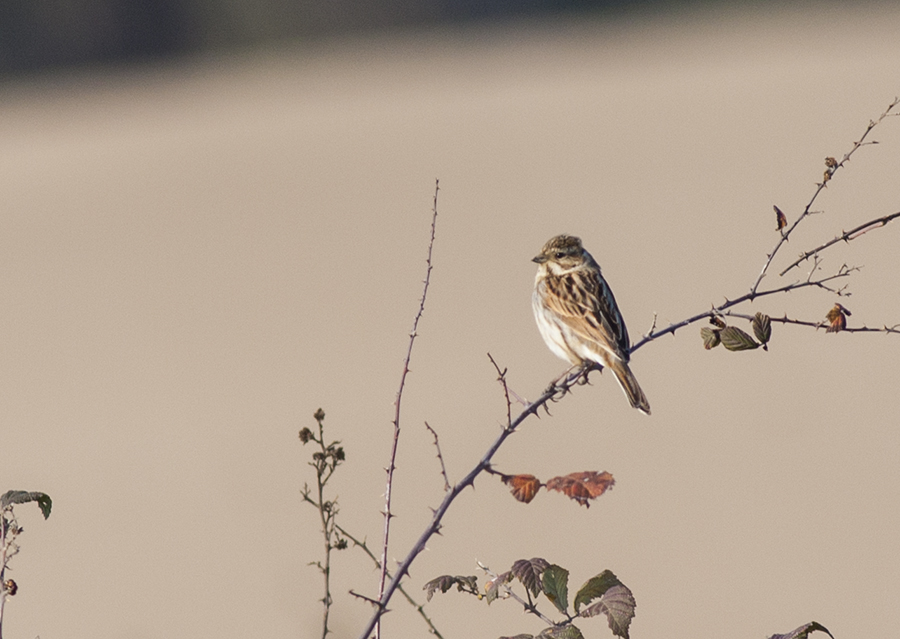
x,y
780,218
492,587
445,582
523,487
582,487
717,321
710,337
618,605
826,176
803,631
734,339
555,583
837,319
830,162
529,571
762,328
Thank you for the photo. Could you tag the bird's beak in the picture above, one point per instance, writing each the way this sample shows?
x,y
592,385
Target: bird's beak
x,y
540,259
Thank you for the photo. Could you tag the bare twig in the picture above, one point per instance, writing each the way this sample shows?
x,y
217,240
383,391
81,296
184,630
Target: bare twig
x,y
721,308
7,550
392,464
862,229
822,324
325,461
437,444
501,377
374,602
419,607
783,237
554,391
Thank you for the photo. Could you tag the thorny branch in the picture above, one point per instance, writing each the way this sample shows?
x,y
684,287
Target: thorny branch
x,y
862,229
829,173
392,464
555,391
560,388
823,324
822,282
437,444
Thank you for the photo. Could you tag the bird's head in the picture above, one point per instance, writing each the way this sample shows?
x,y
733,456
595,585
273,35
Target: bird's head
x,y
561,254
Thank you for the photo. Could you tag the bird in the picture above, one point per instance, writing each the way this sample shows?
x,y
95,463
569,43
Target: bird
x,y
577,314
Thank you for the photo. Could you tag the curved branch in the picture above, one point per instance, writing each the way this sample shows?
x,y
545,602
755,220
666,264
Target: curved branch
x,y
862,229
392,465
832,168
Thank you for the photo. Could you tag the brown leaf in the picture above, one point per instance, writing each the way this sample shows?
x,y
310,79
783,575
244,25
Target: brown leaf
x,y
492,587
445,582
582,486
781,219
523,487
529,572
837,319
830,162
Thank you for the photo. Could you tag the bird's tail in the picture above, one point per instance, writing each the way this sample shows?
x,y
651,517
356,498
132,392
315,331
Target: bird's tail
x,y
630,386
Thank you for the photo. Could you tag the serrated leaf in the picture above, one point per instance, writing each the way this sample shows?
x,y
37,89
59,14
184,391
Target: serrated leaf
x,y
555,582
734,339
529,571
567,631
22,497
594,588
710,337
445,582
803,631
618,604
762,327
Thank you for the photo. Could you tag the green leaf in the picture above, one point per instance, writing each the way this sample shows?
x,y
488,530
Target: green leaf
x,y
529,571
567,631
734,339
595,587
21,497
803,631
710,337
618,604
762,327
555,582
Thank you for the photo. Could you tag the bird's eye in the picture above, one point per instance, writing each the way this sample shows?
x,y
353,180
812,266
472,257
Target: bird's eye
x,y
560,255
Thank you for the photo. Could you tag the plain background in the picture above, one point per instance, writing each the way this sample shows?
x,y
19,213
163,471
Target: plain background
x,y
195,257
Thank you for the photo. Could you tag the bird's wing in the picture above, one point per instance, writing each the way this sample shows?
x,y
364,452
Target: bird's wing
x,y
585,303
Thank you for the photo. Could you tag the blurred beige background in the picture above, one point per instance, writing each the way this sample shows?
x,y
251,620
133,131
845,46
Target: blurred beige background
x,y
196,257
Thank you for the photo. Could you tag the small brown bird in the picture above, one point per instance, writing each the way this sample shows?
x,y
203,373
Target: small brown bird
x,y
577,314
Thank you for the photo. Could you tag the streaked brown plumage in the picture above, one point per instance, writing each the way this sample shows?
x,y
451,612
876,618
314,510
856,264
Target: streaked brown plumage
x,y
577,314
